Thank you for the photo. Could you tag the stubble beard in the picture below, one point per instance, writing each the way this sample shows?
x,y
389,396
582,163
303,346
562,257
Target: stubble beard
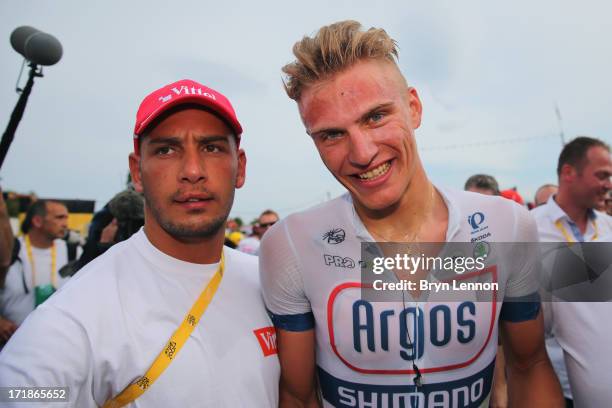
x,y
186,231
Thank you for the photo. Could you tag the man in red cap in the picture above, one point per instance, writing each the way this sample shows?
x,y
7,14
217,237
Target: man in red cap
x,y
169,317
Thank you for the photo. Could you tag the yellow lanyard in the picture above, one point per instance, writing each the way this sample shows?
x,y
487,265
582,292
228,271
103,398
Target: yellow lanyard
x,y
28,245
174,345
567,236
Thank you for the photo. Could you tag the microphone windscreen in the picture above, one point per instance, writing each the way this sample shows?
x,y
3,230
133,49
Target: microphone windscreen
x,y
19,37
42,48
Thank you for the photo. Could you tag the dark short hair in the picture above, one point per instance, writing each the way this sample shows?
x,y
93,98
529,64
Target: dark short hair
x,y
574,153
38,207
482,181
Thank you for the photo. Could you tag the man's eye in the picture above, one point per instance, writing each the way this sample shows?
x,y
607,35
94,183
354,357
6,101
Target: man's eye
x,y
162,151
212,148
377,116
330,136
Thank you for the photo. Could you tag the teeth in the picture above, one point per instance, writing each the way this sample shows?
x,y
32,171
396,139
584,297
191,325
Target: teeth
x,y
375,173
193,200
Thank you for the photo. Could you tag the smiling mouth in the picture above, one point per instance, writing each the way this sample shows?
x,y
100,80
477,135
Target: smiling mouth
x,y
375,172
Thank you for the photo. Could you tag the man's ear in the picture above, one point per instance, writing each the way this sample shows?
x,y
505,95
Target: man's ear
x,y
568,172
241,171
416,108
134,163
38,221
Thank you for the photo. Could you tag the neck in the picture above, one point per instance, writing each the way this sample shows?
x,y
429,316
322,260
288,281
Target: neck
x,y
574,210
406,220
199,250
39,239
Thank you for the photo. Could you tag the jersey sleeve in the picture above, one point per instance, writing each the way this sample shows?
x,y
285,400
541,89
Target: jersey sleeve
x,y
522,300
49,349
281,280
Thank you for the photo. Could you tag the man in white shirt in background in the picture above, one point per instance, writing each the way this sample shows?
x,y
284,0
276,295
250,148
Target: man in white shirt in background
x,y
169,317
250,245
34,275
581,328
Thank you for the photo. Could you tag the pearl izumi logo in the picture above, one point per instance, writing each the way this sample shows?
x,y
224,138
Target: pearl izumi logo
x,y
477,222
185,90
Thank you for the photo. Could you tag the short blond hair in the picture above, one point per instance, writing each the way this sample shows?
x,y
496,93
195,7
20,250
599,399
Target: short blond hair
x,y
334,48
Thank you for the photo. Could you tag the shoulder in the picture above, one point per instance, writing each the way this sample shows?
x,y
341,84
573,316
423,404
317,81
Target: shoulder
x,y
603,218
98,279
235,257
505,219
312,223
241,264
541,212
471,202
490,207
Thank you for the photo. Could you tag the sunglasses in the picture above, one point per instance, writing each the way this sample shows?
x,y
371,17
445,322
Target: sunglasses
x,y
267,224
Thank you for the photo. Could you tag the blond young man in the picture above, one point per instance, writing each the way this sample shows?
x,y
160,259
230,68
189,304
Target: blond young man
x,y
362,117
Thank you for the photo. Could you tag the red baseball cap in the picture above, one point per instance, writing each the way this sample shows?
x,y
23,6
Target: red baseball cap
x,y
179,93
512,194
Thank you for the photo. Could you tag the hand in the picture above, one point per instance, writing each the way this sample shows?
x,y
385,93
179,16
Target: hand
x,y
3,208
7,328
109,232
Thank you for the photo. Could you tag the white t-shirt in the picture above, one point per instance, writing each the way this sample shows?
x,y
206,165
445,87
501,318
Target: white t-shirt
x,y
249,245
103,330
17,297
577,328
309,263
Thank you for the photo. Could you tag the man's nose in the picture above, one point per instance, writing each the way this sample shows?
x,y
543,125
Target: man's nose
x,y
193,166
362,148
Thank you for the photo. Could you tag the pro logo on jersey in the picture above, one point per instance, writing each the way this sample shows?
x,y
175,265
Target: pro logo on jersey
x,y
266,336
338,261
334,236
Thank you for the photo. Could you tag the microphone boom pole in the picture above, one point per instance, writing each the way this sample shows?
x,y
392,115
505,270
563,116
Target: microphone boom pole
x,y
9,133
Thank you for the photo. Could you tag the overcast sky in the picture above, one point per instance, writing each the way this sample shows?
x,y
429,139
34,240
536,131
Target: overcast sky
x,y
489,75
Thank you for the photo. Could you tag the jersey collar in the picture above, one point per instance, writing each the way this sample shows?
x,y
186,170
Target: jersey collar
x,y
454,217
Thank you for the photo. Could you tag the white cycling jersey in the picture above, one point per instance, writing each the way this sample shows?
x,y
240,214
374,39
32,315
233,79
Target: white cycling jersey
x,y
365,350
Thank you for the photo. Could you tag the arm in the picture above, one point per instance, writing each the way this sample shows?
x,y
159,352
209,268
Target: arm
x,y
499,395
49,349
531,379
289,308
7,328
6,240
296,352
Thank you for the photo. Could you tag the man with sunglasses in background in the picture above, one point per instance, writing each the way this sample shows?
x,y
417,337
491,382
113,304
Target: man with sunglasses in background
x,y
250,245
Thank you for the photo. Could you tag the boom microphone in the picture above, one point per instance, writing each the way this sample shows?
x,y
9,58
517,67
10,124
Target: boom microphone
x,y
36,46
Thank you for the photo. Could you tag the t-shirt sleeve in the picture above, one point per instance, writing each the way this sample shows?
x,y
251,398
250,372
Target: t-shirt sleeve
x,y
281,280
49,349
521,300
